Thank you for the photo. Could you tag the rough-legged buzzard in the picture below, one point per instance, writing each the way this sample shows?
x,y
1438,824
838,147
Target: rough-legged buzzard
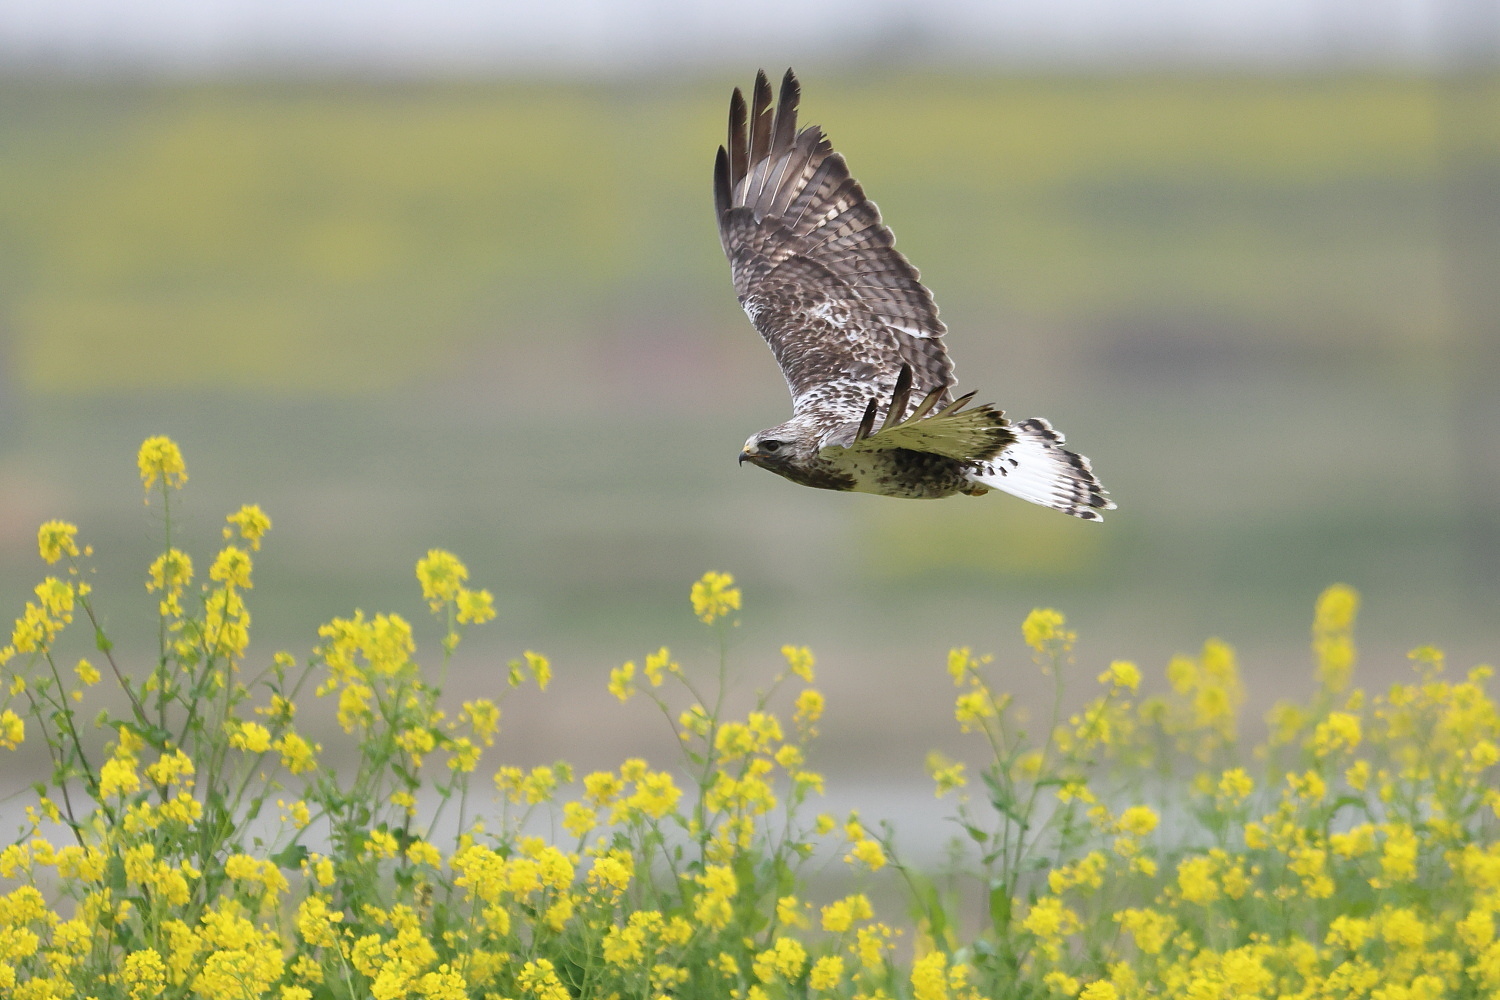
x,y
858,336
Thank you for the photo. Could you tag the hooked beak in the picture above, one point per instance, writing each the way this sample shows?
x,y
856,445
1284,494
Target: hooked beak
x,y
745,456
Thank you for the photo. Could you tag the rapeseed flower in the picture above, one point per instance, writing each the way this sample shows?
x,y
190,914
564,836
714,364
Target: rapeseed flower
x,y
56,539
714,596
252,523
657,664
1122,674
946,774
1333,642
800,660
826,974
475,607
1045,631
622,681
160,458
785,959
839,916
1374,873
442,576
12,729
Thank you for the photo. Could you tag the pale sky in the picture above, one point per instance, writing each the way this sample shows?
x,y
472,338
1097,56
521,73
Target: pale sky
x,y
495,36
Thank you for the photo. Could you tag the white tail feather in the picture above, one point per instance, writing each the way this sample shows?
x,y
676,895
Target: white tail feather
x,y
1037,468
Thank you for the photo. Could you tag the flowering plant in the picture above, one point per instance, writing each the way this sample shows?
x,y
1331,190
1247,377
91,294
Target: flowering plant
x,y
193,840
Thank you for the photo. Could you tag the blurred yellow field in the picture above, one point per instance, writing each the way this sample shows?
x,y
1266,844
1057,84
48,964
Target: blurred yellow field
x,y
340,237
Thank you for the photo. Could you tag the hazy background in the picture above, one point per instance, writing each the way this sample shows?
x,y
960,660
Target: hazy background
x,y
413,275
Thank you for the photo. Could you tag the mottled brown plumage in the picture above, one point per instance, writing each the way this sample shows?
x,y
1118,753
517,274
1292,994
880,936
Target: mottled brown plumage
x,y
857,335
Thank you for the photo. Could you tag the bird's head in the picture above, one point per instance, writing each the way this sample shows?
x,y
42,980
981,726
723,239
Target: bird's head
x,y
781,447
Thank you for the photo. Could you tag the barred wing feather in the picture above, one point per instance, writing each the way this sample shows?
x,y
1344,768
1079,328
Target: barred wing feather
x,y
814,266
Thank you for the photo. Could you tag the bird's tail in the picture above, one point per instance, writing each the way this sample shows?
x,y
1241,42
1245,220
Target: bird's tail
x,y
1038,468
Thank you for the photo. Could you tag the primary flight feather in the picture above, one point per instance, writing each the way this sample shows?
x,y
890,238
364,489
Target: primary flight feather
x,y
857,335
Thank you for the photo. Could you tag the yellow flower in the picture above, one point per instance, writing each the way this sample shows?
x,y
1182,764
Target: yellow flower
x,y
160,457
540,668
381,844
622,681
1122,674
539,978
251,737
800,660
827,972
297,754
613,870
171,768
1477,930
1137,821
87,673
840,916
1061,983
442,577
579,819
1152,930
12,729
1339,732
960,662
1286,721
232,567
929,980
1050,920
947,774
785,958
1348,932
868,852
170,573
1333,623
56,539
117,776
1045,631
714,596
475,607
1398,858
1235,786
1195,880
655,796
810,704
146,973
252,523
871,945
712,907
1100,990
1357,842
624,946
789,912
971,707
657,663
1403,928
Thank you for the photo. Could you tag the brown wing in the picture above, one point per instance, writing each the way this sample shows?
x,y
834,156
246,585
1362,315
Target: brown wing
x,y
815,268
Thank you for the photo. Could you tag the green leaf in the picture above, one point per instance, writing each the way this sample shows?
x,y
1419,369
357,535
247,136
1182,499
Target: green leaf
x,y
290,857
999,908
114,874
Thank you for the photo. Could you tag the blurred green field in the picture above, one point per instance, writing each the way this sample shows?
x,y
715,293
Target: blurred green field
x,y
495,317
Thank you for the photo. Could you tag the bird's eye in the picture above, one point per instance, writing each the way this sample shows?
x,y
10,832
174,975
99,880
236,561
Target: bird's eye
x,y
769,445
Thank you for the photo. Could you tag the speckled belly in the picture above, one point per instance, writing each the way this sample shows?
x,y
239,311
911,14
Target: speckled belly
x,y
915,475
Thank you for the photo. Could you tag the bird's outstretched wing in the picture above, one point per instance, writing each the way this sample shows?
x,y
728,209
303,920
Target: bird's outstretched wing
x,y
815,268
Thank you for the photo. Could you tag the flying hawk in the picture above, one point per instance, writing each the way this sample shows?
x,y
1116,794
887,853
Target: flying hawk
x,y
858,336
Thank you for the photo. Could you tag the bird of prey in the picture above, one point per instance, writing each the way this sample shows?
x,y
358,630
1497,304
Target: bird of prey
x,y
857,335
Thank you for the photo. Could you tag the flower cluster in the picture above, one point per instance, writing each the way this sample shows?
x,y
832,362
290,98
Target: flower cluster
x,y
1363,861
1129,849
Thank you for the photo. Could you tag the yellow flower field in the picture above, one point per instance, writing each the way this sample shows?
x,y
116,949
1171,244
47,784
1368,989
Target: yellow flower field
x,y
1133,848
